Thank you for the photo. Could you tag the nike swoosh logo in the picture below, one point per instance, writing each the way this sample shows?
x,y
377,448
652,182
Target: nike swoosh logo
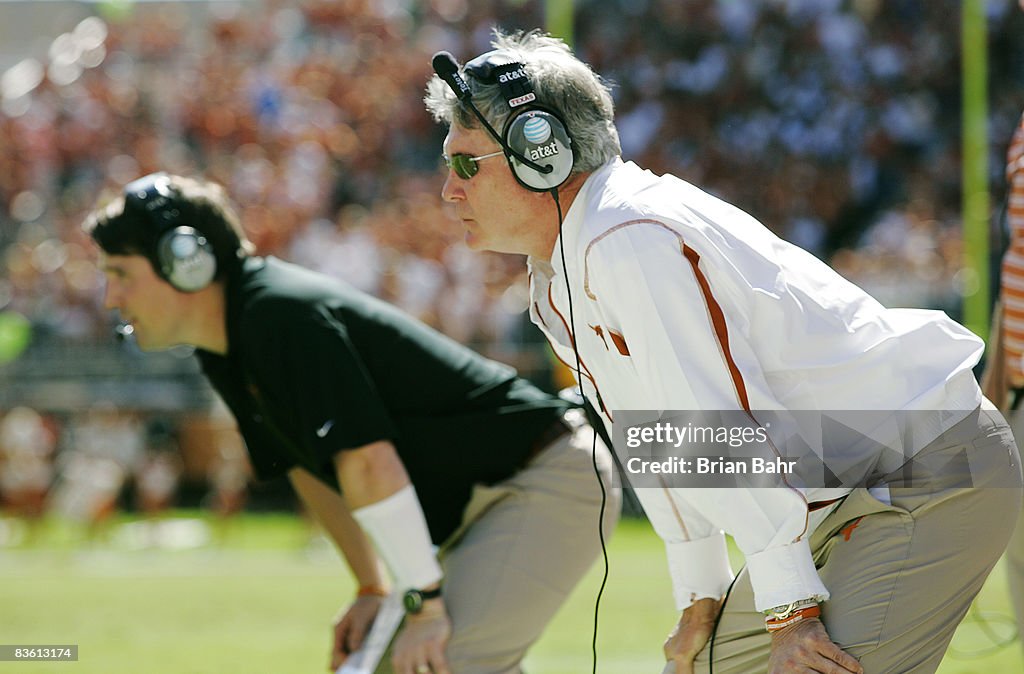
x,y
325,429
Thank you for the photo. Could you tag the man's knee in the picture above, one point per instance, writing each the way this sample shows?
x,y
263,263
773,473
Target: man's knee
x,y
474,656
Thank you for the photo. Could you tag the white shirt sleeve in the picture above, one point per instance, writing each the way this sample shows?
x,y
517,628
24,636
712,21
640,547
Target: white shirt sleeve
x,y
651,286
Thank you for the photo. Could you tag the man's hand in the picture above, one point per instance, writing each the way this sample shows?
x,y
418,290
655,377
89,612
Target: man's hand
x,y
420,646
690,635
351,628
806,647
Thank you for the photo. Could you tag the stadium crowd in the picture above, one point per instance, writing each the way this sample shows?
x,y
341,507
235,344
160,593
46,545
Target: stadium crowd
x,y
834,122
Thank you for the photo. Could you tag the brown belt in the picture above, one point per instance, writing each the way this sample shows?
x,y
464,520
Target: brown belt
x,y
818,505
547,437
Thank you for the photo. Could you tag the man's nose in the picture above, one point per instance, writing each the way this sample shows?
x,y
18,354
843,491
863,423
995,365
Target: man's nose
x,y
452,190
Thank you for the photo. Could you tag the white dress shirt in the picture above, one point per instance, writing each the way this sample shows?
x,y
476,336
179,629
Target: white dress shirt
x,y
681,301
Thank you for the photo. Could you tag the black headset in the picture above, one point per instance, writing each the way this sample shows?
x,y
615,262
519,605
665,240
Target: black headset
x,y
538,147
182,256
536,141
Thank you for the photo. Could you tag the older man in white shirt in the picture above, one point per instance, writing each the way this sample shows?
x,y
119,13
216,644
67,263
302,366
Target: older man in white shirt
x,y
662,297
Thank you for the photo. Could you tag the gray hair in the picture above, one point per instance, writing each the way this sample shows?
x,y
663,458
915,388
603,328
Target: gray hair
x,y
562,82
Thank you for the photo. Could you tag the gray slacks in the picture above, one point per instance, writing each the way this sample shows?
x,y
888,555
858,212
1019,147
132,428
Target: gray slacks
x,y
523,546
902,564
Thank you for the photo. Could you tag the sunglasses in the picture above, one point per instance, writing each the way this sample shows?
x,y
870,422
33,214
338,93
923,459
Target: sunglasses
x,y
465,166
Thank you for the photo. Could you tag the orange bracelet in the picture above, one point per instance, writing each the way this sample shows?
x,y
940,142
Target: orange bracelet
x,y
776,624
372,590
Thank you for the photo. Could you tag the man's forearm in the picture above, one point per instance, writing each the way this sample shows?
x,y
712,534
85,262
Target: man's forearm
x,y
334,516
370,474
383,501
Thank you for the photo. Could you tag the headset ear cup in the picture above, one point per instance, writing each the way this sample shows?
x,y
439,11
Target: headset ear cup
x,y
541,137
186,259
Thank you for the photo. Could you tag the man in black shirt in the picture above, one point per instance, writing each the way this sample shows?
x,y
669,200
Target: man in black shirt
x,y
389,431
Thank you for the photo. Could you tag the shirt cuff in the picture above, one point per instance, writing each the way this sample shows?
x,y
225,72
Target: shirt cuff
x,y
699,569
784,574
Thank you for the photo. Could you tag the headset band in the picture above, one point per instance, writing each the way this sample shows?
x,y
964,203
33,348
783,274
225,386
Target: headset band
x,y
502,68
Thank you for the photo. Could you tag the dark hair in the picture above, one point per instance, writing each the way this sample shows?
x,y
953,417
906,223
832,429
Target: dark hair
x,y
200,204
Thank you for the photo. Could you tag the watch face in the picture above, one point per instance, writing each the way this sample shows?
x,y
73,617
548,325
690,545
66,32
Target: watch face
x,y
413,601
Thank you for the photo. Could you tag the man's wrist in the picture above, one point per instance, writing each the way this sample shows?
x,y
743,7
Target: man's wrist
x,y
794,626
704,609
416,601
784,610
372,590
398,529
780,617
429,608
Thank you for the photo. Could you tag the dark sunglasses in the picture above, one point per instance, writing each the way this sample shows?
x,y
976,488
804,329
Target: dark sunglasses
x,y
465,166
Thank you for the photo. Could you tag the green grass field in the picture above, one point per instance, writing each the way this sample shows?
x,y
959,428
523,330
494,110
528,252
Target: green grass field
x,y
261,602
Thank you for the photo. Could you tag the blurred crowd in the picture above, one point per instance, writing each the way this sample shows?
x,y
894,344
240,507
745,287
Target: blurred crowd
x,y
310,113
827,119
85,467
835,122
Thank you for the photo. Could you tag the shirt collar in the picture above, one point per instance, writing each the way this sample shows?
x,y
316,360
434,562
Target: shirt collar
x,y
572,222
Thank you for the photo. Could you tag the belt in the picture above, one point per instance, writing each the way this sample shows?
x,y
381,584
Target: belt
x,y
548,436
818,505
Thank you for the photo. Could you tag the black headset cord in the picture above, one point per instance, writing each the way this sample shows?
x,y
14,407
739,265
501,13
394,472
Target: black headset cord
x,y
597,471
714,629
593,449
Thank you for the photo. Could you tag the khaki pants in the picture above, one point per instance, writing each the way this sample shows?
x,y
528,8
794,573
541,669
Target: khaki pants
x,y
523,546
903,563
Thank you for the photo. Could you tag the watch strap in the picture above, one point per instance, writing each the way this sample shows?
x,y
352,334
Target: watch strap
x,y
430,594
783,611
773,624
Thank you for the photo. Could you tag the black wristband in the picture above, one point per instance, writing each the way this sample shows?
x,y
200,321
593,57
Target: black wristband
x,y
413,599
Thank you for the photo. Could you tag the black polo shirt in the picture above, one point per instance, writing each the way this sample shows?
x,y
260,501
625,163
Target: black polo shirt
x,y
315,367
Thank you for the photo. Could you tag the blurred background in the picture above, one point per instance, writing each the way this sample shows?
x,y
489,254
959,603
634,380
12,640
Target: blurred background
x,y
837,123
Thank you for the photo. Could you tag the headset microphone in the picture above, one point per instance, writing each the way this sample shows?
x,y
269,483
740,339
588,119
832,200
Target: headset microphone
x,y
540,131
448,70
123,330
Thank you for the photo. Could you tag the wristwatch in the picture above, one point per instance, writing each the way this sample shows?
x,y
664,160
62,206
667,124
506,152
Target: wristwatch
x,y
784,611
781,617
413,599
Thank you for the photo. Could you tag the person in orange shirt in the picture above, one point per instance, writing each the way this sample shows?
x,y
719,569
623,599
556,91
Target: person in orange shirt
x,y
1004,380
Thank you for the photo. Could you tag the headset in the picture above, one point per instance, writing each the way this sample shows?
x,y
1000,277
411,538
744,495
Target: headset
x,y
538,147
182,256
535,140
